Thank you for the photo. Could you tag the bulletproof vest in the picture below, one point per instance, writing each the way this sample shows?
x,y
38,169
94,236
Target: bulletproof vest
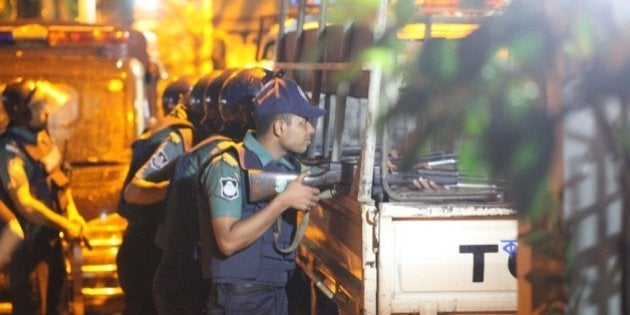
x,y
177,233
142,150
260,262
46,183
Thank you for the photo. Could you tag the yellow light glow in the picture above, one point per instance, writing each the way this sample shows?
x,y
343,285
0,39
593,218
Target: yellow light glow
x,y
438,30
30,32
130,116
105,242
503,53
101,291
99,268
115,85
58,96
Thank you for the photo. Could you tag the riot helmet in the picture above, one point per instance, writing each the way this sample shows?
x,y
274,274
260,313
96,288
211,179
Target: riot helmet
x,y
195,105
235,100
21,96
212,116
174,93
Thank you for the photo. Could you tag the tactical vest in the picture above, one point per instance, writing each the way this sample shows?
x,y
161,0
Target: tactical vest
x,y
45,186
146,216
177,233
260,262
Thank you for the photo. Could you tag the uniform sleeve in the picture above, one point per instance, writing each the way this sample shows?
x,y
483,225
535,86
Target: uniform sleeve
x,y
221,182
11,164
164,157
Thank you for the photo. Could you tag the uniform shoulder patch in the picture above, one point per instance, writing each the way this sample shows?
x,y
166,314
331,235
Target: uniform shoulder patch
x,y
159,160
12,147
229,188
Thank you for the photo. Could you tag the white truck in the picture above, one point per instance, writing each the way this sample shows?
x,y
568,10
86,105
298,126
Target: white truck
x,y
375,248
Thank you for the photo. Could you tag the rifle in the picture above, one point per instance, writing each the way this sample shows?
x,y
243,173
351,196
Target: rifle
x,y
266,185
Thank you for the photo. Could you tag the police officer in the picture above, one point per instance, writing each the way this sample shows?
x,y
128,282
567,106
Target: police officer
x,y
249,272
141,201
179,286
35,189
174,94
197,106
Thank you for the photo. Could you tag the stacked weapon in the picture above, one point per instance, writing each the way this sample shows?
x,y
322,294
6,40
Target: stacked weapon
x,y
337,176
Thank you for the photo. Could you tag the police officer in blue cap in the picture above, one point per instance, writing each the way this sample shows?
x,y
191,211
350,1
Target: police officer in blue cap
x,y
181,284
249,271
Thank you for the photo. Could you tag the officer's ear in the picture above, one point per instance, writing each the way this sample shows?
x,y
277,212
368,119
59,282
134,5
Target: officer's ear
x,y
280,127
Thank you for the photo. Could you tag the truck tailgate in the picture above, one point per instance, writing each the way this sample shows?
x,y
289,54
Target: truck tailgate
x,y
446,258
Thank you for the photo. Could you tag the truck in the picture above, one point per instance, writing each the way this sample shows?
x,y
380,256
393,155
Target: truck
x,y
104,74
378,248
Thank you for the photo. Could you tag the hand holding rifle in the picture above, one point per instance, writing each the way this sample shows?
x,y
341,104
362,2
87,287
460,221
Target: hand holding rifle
x,y
298,195
425,184
78,229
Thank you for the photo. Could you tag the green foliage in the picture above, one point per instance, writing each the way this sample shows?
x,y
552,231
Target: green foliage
x,y
491,90
358,10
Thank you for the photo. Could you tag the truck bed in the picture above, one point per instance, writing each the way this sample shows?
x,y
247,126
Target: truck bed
x,y
402,257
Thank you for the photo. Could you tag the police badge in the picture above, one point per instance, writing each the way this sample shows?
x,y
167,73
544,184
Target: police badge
x,y
229,188
160,160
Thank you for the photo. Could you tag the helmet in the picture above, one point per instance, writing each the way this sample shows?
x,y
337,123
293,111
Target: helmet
x,y
20,95
236,97
212,116
16,99
195,105
173,94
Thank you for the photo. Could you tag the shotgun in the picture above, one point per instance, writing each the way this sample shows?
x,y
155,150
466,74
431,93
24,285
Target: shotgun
x,y
266,185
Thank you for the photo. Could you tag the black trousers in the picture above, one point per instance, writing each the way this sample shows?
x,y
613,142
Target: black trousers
x,y
37,277
137,261
179,287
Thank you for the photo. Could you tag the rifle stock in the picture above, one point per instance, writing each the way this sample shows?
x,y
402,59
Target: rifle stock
x,y
266,185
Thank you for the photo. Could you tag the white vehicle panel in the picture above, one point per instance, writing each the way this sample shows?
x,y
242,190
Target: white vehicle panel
x,y
462,255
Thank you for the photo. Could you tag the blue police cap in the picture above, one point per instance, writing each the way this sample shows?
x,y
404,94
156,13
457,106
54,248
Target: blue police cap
x,y
280,96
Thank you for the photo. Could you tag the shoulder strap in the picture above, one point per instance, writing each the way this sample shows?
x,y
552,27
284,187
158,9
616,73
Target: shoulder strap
x,y
39,155
29,150
301,229
235,151
170,122
147,143
297,238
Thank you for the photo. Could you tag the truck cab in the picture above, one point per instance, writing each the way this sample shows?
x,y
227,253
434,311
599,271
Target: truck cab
x,y
379,247
103,72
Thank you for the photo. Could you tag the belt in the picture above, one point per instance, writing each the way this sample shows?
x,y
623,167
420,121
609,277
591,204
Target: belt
x,y
241,288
